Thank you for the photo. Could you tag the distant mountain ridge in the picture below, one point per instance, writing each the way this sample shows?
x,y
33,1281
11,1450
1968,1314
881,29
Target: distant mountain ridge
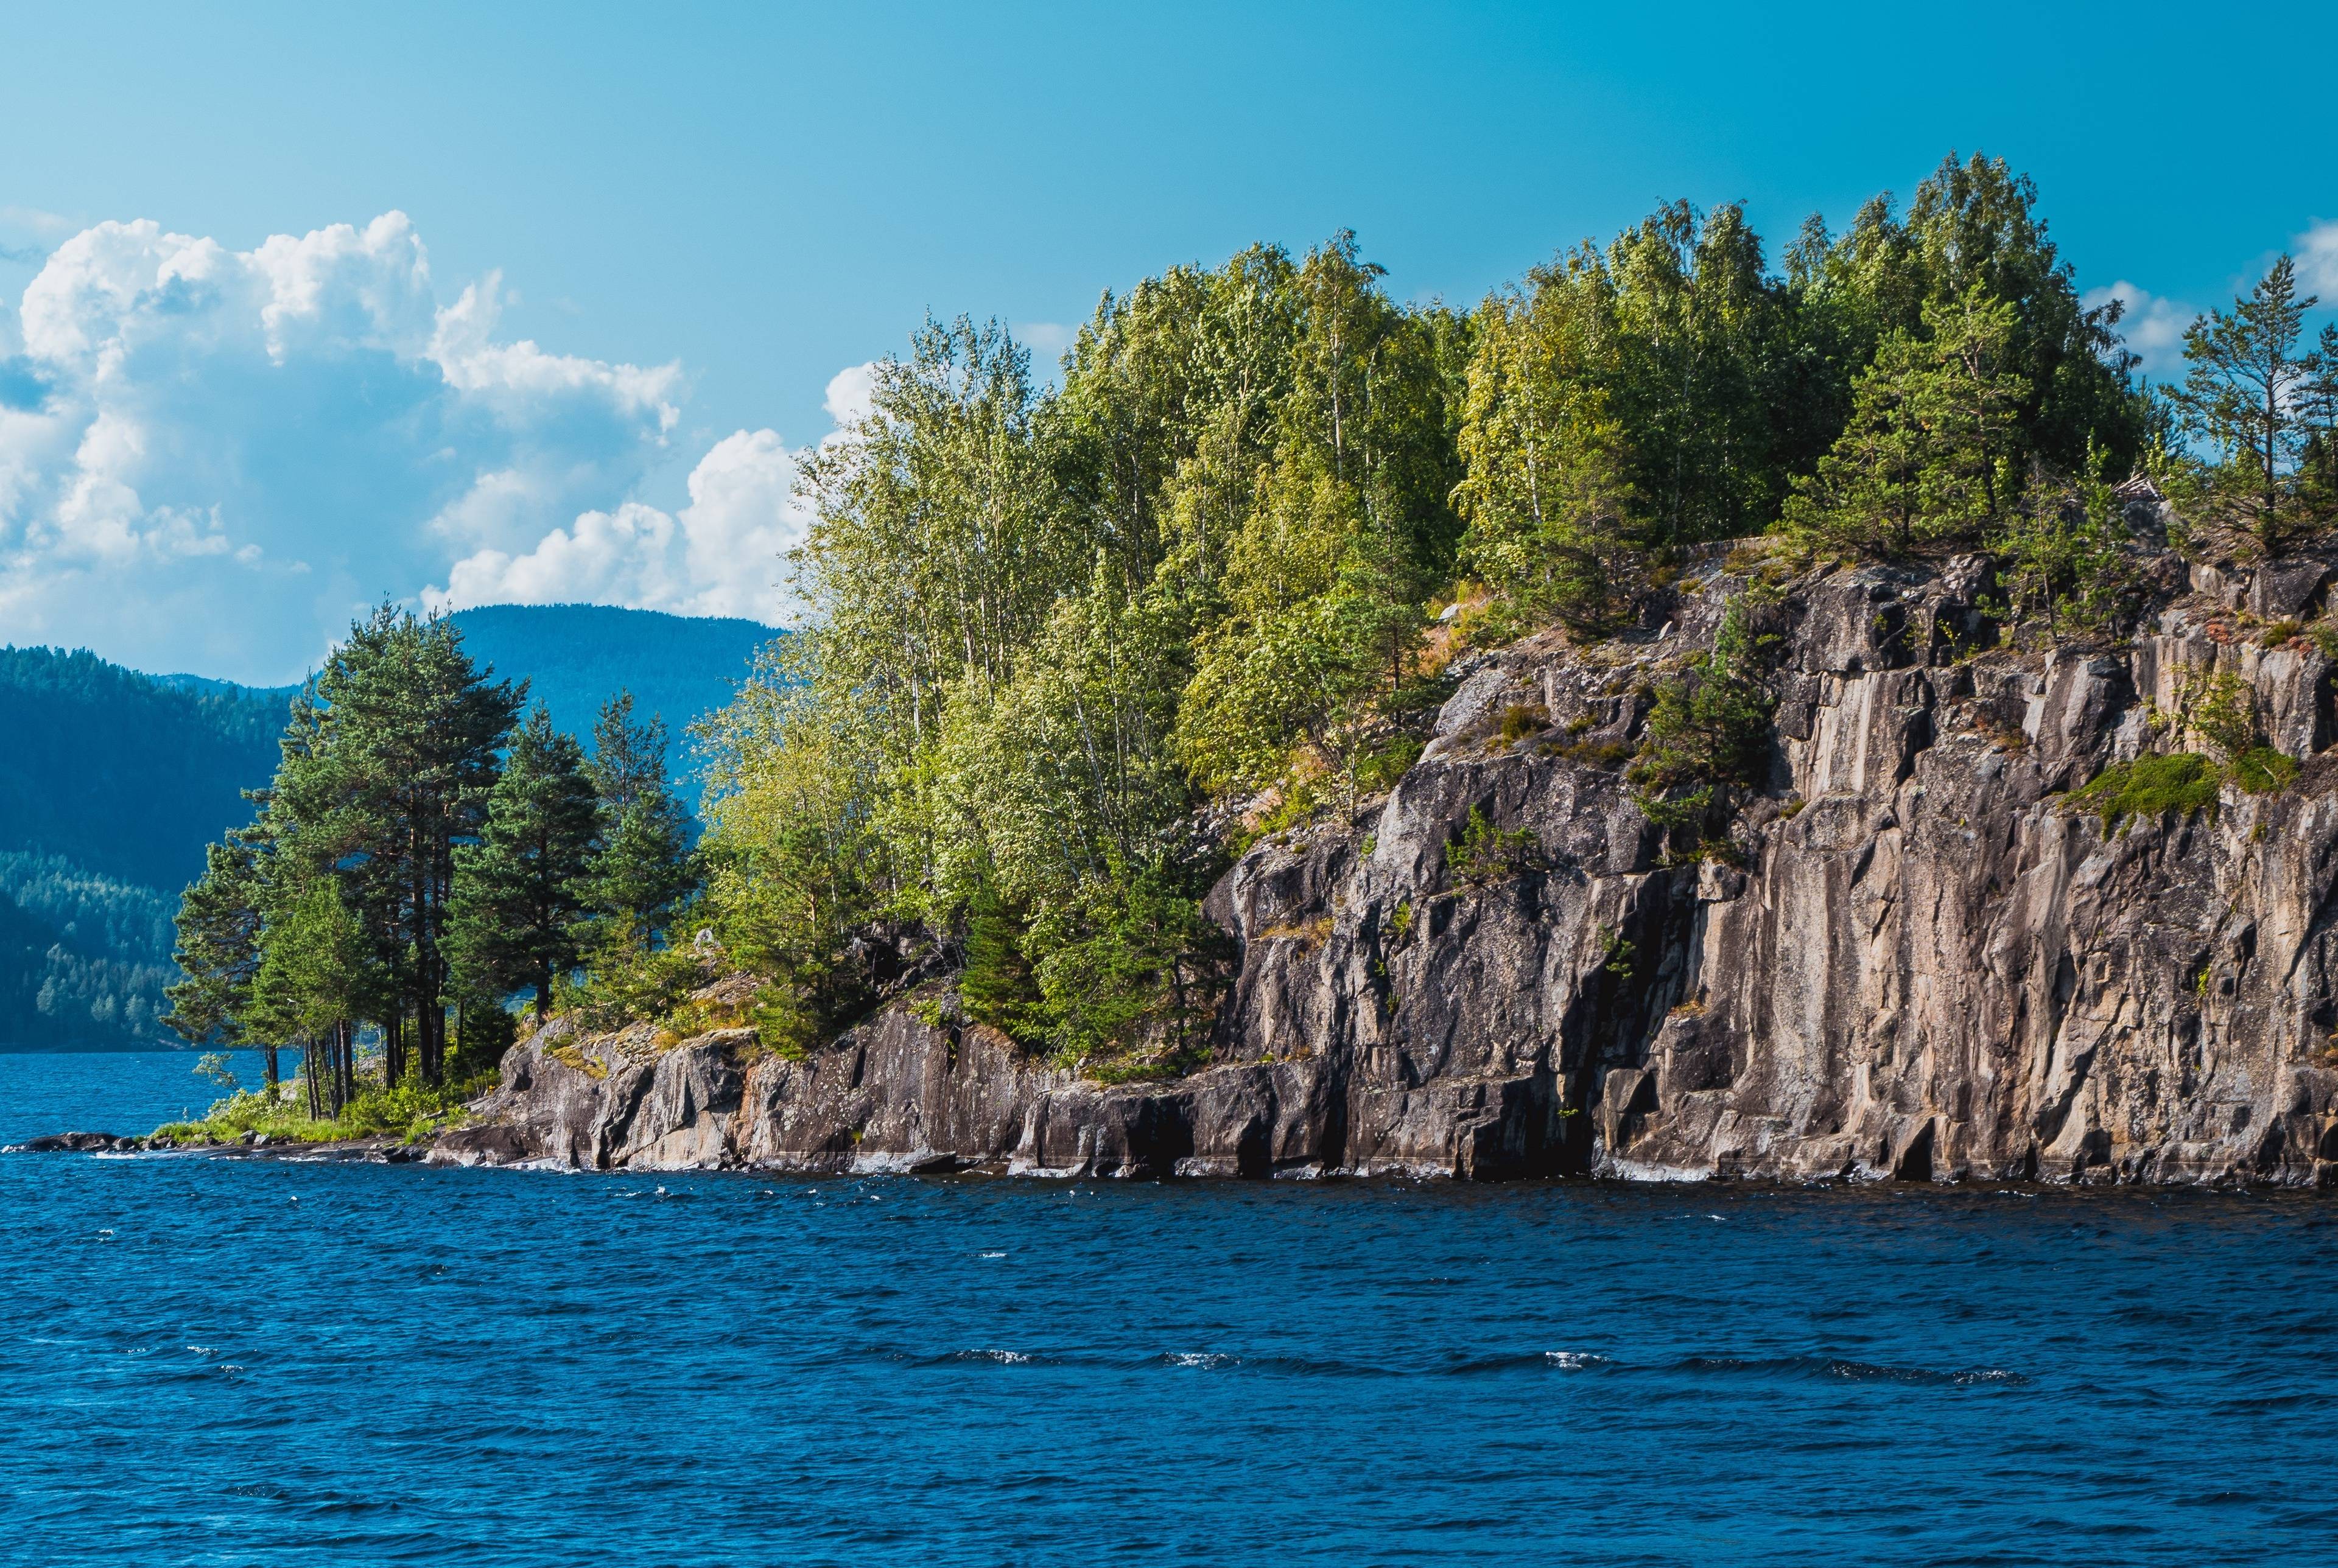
x,y
577,656
112,781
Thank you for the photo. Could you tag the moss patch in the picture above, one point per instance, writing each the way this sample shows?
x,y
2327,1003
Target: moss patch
x,y
2151,786
2261,770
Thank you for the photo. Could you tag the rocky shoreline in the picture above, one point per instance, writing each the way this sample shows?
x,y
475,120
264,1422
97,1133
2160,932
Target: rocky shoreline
x,y
1924,964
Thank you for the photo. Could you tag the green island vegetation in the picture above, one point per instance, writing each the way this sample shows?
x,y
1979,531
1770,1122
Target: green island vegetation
x,y
117,779
423,853
1069,648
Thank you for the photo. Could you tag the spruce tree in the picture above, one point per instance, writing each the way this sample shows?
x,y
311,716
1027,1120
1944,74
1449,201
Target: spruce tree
x,y
521,893
218,949
643,869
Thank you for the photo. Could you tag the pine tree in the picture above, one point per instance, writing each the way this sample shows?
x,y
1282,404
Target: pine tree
x,y
388,761
1925,458
643,869
521,893
2244,390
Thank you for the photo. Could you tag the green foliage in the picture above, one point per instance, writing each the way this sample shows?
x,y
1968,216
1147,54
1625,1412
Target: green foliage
x,y
522,893
2152,786
330,909
1061,644
406,1111
999,986
1709,735
2062,550
1482,854
1924,460
2221,708
2261,408
642,868
626,984
2261,770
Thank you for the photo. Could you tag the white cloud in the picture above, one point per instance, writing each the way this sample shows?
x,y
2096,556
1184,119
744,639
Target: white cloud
x,y
852,395
719,555
2151,326
2317,260
211,458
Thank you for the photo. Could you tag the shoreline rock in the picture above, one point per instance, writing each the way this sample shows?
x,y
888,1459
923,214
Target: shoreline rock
x,y
1920,964
1926,966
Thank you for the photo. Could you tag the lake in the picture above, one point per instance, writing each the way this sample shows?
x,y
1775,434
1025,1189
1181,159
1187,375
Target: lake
x,y
215,1361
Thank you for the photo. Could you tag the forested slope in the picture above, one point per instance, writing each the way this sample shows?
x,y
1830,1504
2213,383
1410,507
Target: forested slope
x,y
575,657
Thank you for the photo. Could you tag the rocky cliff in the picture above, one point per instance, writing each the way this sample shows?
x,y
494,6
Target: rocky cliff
x,y
1920,961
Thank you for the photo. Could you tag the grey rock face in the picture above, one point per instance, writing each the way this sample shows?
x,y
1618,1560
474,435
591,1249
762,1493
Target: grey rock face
x,y
1925,965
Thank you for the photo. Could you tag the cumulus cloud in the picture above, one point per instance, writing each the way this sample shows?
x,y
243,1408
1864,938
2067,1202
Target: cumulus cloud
x,y
852,395
2153,326
211,458
2317,260
719,555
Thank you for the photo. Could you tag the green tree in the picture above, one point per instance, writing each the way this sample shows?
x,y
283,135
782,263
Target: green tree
x,y
387,763
1708,737
1926,457
642,870
218,950
523,891
1551,512
2245,394
317,976
2063,554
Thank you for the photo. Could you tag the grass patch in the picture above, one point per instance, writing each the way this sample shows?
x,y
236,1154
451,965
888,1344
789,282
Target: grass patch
x,y
2261,770
409,1112
2152,786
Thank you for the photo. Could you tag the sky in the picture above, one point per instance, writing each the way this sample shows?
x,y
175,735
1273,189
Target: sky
x,y
308,307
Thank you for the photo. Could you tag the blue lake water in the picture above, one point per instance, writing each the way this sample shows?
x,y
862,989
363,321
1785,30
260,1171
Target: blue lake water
x,y
208,1361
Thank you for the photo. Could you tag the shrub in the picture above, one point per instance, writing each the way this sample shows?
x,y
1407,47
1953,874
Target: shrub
x,y
1708,735
1484,854
1520,719
2226,715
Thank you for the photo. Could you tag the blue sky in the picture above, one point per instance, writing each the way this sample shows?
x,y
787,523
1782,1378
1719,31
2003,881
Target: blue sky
x,y
636,252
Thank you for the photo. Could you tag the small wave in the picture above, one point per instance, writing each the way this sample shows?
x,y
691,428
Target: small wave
x,y
1820,1369
1199,1360
996,1358
1528,1361
994,1254
201,1350
1576,1360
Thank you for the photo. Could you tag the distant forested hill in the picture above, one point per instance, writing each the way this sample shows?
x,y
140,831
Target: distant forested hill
x,y
576,656
123,774
111,784
112,781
